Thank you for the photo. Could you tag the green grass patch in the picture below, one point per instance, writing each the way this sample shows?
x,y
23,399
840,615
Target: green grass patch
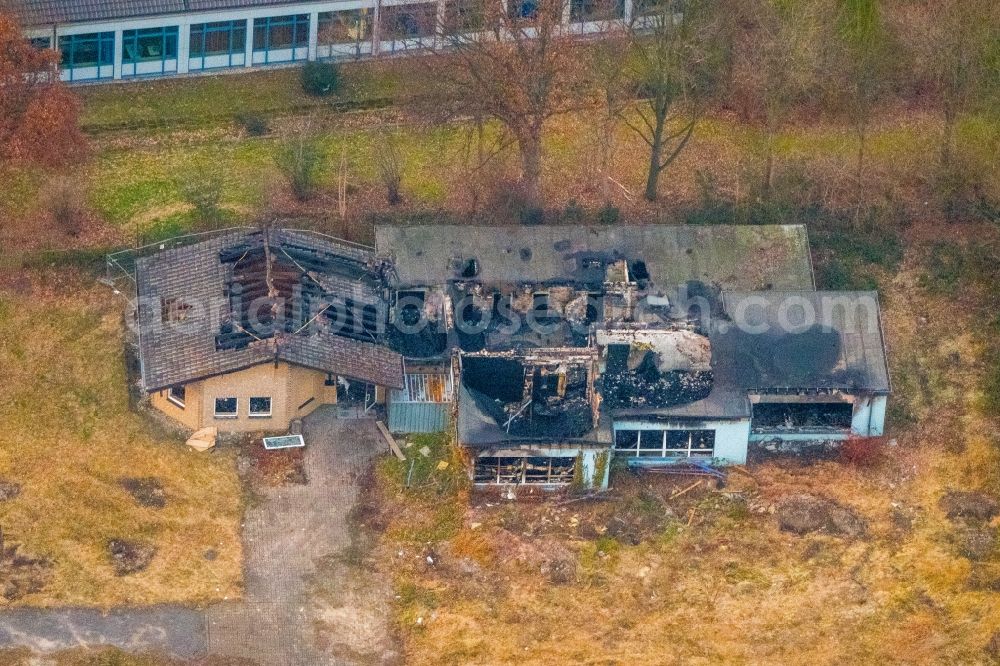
x,y
855,255
211,100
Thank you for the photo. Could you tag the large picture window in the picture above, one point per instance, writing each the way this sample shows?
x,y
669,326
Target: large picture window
x,y
350,26
149,51
89,56
408,26
664,443
524,469
218,44
279,33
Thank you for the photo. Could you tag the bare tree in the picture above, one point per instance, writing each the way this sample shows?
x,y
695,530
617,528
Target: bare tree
x,y
514,65
390,168
864,55
302,159
777,61
956,48
608,70
674,66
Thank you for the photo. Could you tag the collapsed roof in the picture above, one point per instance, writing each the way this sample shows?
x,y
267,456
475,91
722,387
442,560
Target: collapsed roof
x,y
249,297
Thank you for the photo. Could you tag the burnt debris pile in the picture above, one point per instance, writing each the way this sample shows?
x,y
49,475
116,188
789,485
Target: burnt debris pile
x,y
646,385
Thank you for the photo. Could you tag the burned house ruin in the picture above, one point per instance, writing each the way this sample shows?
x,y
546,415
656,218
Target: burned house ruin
x,y
656,344
550,350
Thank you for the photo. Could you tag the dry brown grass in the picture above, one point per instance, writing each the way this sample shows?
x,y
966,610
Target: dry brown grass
x,y
718,583
68,436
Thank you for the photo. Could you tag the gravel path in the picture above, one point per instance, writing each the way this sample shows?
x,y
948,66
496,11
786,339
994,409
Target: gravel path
x,y
302,604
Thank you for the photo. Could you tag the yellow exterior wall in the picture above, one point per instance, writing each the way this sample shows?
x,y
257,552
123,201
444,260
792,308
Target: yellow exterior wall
x,y
190,414
289,387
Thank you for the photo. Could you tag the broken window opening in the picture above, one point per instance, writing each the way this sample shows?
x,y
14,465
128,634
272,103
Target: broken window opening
x,y
537,470
796,416
174,310
470,269
665,443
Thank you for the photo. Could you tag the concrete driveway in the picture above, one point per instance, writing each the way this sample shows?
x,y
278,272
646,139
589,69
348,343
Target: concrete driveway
x,y
290,541
303,605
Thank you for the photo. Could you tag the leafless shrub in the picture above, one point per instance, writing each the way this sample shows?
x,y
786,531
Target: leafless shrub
x,y
390,169
302,160
63,198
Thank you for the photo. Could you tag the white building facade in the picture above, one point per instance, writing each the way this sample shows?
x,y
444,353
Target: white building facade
x,y
106,44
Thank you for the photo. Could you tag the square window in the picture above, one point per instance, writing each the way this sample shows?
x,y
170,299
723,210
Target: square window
x,y
260,407
225,408
175,394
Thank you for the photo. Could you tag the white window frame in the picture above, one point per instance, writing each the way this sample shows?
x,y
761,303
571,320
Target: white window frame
x,y
174,399
664,450
236,412
260,415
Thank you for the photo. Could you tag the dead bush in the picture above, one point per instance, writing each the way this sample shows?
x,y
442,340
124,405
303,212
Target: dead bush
x,y
390,169
862,451
303,159
202,188
63,198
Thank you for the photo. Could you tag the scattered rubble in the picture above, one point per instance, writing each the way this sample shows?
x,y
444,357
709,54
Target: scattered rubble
x,y
969,504
977,543
129,557
801,514
9,490
146,491
646,386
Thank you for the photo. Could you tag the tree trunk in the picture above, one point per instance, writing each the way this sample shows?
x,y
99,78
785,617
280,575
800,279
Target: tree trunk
x,y
947,138
655,155
860,175
765,192
531,169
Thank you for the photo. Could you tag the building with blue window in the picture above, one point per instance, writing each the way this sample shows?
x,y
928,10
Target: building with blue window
x,y
103,40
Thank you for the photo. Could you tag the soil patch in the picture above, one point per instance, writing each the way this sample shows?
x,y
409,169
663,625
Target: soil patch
x,y
976,543
969,504
801,514
146,490
9,490
277,468
129,557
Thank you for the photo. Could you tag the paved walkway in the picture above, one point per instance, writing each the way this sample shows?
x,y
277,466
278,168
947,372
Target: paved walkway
x,y
173,629
302,605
